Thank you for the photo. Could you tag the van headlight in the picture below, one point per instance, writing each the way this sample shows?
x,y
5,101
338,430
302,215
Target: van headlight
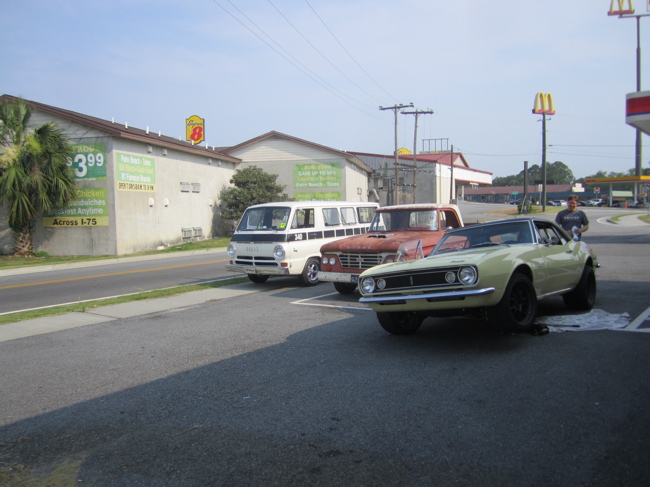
x,y
467,275
367,285
279,252
231,250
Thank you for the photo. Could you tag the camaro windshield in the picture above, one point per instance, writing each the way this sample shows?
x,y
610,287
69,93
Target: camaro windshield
x,y
486,236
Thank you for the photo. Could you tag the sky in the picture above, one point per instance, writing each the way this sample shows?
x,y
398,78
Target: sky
x,y
320,70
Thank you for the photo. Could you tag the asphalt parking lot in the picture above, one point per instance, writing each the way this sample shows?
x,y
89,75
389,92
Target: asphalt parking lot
x,y
285,385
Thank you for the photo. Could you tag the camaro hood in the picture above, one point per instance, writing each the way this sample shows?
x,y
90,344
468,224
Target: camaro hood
x,y
464,257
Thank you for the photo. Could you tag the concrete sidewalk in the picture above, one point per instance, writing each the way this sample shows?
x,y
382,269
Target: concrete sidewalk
x,y
102,314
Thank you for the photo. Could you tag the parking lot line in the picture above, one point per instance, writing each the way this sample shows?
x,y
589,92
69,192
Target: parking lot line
x,y
636,324
304,302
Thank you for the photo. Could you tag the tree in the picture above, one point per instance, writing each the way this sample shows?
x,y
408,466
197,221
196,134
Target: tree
x,y
251,186
34,172
556,173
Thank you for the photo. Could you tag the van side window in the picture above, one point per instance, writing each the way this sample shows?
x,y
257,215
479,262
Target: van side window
x,y
303,218
366,214
348,216
331,216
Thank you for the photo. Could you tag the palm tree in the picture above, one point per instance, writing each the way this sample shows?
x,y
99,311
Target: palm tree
x,y
34,174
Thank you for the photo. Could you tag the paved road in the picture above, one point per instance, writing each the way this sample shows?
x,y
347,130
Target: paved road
x,y
284,385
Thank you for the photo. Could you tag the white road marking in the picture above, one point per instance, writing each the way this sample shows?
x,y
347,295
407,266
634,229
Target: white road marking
x,y
634,325
304,302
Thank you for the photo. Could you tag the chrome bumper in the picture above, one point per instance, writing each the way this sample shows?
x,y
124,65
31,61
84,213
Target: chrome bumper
x,y
338,277
431,297
249,269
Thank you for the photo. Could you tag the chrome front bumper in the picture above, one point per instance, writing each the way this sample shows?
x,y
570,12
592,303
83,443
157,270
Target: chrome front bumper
x,y
430,297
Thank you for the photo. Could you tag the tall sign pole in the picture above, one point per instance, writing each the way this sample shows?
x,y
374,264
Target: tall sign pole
x,y
544,106
625,9
395,108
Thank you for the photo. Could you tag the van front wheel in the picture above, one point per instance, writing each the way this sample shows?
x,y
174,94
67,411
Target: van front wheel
x,y
258,278
310,272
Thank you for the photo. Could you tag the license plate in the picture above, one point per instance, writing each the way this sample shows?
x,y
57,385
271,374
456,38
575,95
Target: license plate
x,y
249,270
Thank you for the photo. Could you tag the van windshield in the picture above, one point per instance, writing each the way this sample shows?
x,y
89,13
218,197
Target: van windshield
x,y
268,218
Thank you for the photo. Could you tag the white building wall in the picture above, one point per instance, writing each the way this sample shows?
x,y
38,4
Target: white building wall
x,y
137,220
278,155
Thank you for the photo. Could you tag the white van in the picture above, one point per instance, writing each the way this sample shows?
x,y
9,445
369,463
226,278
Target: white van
x,y
284,238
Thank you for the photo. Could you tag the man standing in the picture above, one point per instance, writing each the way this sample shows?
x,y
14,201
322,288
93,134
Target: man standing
x,y
573,218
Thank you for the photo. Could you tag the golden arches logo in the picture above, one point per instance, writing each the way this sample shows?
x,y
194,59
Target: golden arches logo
x,y
625,7
544,104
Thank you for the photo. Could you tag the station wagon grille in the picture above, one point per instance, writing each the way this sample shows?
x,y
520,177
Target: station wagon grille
x,y
360,261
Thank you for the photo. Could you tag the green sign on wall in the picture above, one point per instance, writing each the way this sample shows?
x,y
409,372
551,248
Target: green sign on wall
x,y
135,173
317,176
88,161
324,196
89,210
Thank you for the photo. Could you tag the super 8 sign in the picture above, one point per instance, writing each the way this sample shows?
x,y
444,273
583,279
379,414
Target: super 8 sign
x,y
195,129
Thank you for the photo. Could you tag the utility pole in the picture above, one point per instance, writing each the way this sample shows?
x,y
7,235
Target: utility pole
x,y
395,108
415,145
451,182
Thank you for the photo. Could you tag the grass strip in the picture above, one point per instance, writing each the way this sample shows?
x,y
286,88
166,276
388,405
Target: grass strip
x,y
84,306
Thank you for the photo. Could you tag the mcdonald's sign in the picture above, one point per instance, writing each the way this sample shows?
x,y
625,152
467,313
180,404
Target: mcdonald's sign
x,y
544,104
621,7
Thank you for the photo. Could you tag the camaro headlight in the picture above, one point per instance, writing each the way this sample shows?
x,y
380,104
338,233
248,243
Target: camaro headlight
x,y
467,275
368,284
279,252
231,250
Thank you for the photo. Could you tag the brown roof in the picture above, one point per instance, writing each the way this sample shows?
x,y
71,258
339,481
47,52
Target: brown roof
x,y
347,155
133,133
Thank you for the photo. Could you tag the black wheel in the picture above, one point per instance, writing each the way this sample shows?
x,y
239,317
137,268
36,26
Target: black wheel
x,y
345,287
258,278
583,297
310,272
517,310
400,323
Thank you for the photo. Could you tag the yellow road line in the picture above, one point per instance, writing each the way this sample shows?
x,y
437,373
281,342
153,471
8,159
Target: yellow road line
x,y
40,283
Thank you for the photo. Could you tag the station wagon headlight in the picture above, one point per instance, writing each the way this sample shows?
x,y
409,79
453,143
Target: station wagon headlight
x,y
467,275
368,285
279,252
231,250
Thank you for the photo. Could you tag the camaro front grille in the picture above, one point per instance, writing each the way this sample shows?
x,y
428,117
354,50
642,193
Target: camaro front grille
x,y
423,279
360,261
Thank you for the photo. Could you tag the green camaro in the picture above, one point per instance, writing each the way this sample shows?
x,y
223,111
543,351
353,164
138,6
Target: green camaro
x,y
499,269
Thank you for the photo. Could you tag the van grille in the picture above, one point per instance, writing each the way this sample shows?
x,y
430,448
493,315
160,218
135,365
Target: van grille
x,y
256,260
360,261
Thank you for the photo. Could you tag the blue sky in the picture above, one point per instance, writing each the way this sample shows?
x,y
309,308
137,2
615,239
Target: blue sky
x,y
320,70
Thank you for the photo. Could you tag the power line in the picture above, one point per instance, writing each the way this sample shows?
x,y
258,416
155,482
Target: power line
x,y
297,64
319,52
348,52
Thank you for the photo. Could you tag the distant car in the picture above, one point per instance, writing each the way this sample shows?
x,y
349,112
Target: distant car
x,y
498,270
582,203
595,202
551,203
